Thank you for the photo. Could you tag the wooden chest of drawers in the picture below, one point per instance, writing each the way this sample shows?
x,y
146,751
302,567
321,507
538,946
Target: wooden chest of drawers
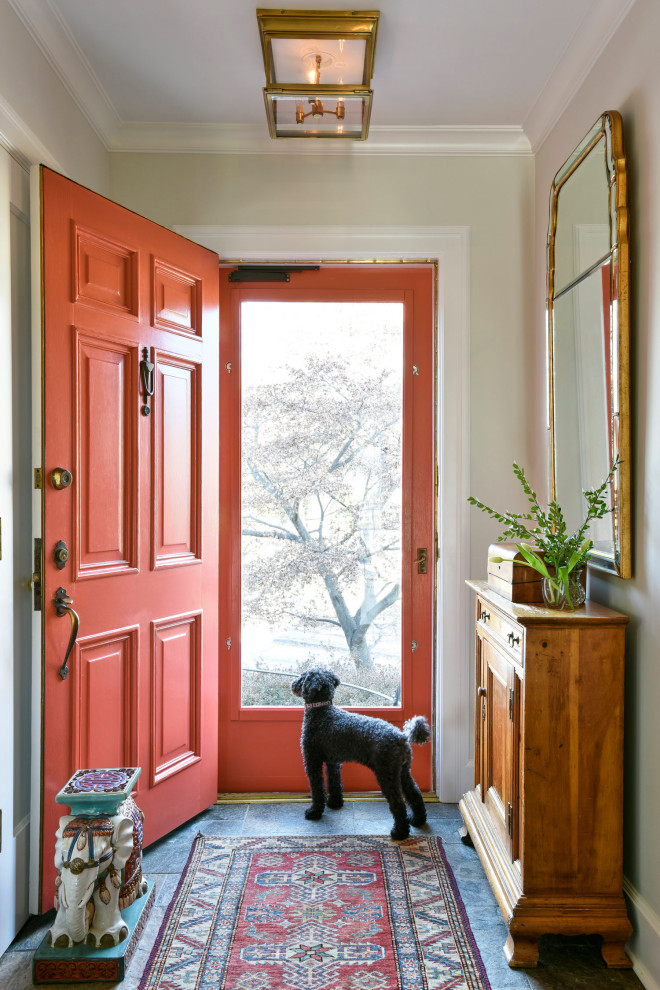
x,y
545,814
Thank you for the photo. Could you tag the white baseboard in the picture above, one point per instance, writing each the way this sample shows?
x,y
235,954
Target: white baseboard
x,y
644,944
21,859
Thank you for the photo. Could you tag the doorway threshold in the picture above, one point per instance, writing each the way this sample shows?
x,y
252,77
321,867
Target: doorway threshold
x,y
298,798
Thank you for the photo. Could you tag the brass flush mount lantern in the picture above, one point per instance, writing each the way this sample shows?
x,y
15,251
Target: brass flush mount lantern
x,y
318,66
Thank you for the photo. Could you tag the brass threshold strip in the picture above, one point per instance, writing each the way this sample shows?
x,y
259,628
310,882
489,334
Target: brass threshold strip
x,y
297,798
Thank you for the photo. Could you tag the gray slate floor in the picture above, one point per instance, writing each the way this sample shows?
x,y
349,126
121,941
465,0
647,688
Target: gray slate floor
x,y
564,963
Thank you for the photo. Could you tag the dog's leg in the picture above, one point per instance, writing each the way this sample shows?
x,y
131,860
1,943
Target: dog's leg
x,y
413,796
335,792
390,784
314,771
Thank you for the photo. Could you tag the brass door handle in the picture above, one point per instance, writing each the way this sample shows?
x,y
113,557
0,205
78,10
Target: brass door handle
x,y
63,605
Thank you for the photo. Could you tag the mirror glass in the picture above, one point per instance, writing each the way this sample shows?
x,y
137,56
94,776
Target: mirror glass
x,y
588,327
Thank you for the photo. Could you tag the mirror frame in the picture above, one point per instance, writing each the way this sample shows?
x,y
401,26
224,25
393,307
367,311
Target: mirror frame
x,y
609,126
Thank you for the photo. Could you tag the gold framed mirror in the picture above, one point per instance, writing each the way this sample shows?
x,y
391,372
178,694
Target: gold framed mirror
x,y
588,322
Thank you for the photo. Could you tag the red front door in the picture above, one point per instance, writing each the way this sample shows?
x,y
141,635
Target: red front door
x,y
129,308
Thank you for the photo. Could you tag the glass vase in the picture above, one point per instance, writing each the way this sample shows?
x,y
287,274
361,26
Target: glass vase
x,y
553,592
576,592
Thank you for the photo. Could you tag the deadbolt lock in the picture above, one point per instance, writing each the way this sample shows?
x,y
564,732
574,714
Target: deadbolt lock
x,y
61,554
61,478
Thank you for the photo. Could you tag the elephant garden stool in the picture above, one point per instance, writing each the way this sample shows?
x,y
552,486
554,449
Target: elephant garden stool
x,y
99,861
98,856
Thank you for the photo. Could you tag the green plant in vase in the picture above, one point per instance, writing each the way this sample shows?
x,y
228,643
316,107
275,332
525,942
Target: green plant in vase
x,y
557,555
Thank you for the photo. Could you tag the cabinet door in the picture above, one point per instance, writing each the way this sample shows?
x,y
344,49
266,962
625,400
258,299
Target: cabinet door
x,y
500,735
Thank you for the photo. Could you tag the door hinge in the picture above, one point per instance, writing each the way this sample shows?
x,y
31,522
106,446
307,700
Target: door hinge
x,y
511,696
38,479
509,819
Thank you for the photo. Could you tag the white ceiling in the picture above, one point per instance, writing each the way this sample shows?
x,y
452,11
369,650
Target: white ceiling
x,y
450,75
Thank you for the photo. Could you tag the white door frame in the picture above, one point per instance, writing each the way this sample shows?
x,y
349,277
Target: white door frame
x,y
450,248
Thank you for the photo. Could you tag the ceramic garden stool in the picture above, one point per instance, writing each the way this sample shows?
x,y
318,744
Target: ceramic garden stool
x,y
102,900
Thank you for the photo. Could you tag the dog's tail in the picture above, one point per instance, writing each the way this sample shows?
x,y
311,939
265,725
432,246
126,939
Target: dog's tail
x,y
417,730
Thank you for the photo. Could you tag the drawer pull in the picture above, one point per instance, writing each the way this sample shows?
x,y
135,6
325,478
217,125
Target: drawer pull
x,y
481,692
484,615
513,640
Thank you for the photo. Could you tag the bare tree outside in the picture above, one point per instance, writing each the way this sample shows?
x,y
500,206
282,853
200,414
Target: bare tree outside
x,y
321,496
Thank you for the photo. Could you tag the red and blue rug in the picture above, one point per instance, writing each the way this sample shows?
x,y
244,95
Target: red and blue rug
x,y
305,913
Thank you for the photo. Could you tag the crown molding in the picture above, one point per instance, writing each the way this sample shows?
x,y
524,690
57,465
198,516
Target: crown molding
x,y
596,30
52,36
248,139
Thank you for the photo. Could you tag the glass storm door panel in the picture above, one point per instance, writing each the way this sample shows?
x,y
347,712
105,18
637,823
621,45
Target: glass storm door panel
x,y
328,478
321,480
130,324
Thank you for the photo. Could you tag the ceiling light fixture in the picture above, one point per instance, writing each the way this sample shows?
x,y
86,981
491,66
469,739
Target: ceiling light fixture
x,y
318,66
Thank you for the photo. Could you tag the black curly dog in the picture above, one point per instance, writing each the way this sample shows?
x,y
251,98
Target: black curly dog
x,y
333,736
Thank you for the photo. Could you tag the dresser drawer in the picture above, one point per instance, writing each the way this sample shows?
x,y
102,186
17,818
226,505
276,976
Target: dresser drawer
x,y
508,632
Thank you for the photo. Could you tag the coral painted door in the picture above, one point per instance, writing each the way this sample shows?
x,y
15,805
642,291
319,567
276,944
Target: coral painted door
x,y
327,521
130,413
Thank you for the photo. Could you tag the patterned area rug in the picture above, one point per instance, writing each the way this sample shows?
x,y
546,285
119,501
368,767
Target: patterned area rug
x,y
304,913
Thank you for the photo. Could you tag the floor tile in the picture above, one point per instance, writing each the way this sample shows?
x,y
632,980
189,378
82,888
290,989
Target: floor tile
x,y
441,810
33,931
564,964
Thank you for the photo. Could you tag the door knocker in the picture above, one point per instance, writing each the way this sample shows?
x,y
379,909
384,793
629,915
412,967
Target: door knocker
x,y
148,380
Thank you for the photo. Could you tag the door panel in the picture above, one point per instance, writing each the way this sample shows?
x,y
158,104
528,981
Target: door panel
x,y
105,273
142,690
501,726
177,481
105,679
106,418
177,299
175,707
260,748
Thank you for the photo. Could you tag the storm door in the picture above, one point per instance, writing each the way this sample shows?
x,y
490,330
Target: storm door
x,y
327,508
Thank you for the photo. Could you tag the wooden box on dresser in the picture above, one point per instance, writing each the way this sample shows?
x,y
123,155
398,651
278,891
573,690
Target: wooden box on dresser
x,y
545,814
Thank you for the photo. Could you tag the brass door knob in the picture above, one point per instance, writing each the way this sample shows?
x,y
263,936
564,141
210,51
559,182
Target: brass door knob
x,y
61,478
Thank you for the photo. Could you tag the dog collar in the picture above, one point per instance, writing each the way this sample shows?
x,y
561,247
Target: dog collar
x,y
317,704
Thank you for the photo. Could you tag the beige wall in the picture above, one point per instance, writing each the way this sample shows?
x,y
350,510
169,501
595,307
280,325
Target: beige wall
x,y
38,118
627,78
493,196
